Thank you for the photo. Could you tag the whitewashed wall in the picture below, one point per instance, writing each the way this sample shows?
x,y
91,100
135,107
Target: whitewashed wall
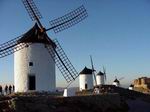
x,y
100,79
43,68
116,84
85,79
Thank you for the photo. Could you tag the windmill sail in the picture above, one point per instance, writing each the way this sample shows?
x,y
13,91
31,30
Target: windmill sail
x,y
33,12
121,78
60,23
62,62
68,20
93,71
57,53
32,9
11,46
104,71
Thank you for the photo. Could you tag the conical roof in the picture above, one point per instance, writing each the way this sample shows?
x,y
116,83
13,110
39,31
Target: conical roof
x,y
86,71
116,80
34,35
100,73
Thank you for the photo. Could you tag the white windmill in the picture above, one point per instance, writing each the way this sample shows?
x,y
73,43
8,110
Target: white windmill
x,y
34,68
34,63
131,87
116,82
101,77
86,79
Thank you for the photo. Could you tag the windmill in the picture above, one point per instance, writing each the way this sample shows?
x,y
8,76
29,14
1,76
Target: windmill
x,y
32,61
117,81
101,77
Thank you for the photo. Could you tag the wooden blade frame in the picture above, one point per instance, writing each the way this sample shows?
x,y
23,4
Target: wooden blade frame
x,y
68,20
62,62
104,71
11,46
93,71
33,11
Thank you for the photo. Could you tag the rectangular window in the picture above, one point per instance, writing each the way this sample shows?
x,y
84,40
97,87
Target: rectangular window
x,y
30,63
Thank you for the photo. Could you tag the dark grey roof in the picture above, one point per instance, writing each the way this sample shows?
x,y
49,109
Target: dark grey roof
x,y
34,35
116,80
100,73
86,71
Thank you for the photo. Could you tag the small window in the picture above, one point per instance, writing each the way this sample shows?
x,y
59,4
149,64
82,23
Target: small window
x,y
30,63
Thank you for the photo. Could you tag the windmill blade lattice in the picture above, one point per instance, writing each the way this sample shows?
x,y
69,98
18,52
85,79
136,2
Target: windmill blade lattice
x,y
62,62
32,9
121,78
68,20
11,46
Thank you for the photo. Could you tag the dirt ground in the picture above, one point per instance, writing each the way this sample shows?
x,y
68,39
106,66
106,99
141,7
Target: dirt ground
x,y
138,106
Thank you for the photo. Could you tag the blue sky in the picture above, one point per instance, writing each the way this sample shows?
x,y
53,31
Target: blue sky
x,y
116,33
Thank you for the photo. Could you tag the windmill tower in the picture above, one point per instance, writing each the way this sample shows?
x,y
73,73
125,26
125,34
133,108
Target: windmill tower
x,y
34,68
86,79
101,77
116,82
35,54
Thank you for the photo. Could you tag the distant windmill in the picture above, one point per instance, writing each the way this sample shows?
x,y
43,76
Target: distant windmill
x,y
101,77
117,81
86,79
34,63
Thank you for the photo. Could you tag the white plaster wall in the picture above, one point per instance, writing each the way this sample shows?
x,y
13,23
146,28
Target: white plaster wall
x,y
85,79
100,79
116,84
43,68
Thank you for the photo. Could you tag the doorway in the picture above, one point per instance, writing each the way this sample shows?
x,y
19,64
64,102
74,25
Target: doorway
x,y
32,82
86,86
